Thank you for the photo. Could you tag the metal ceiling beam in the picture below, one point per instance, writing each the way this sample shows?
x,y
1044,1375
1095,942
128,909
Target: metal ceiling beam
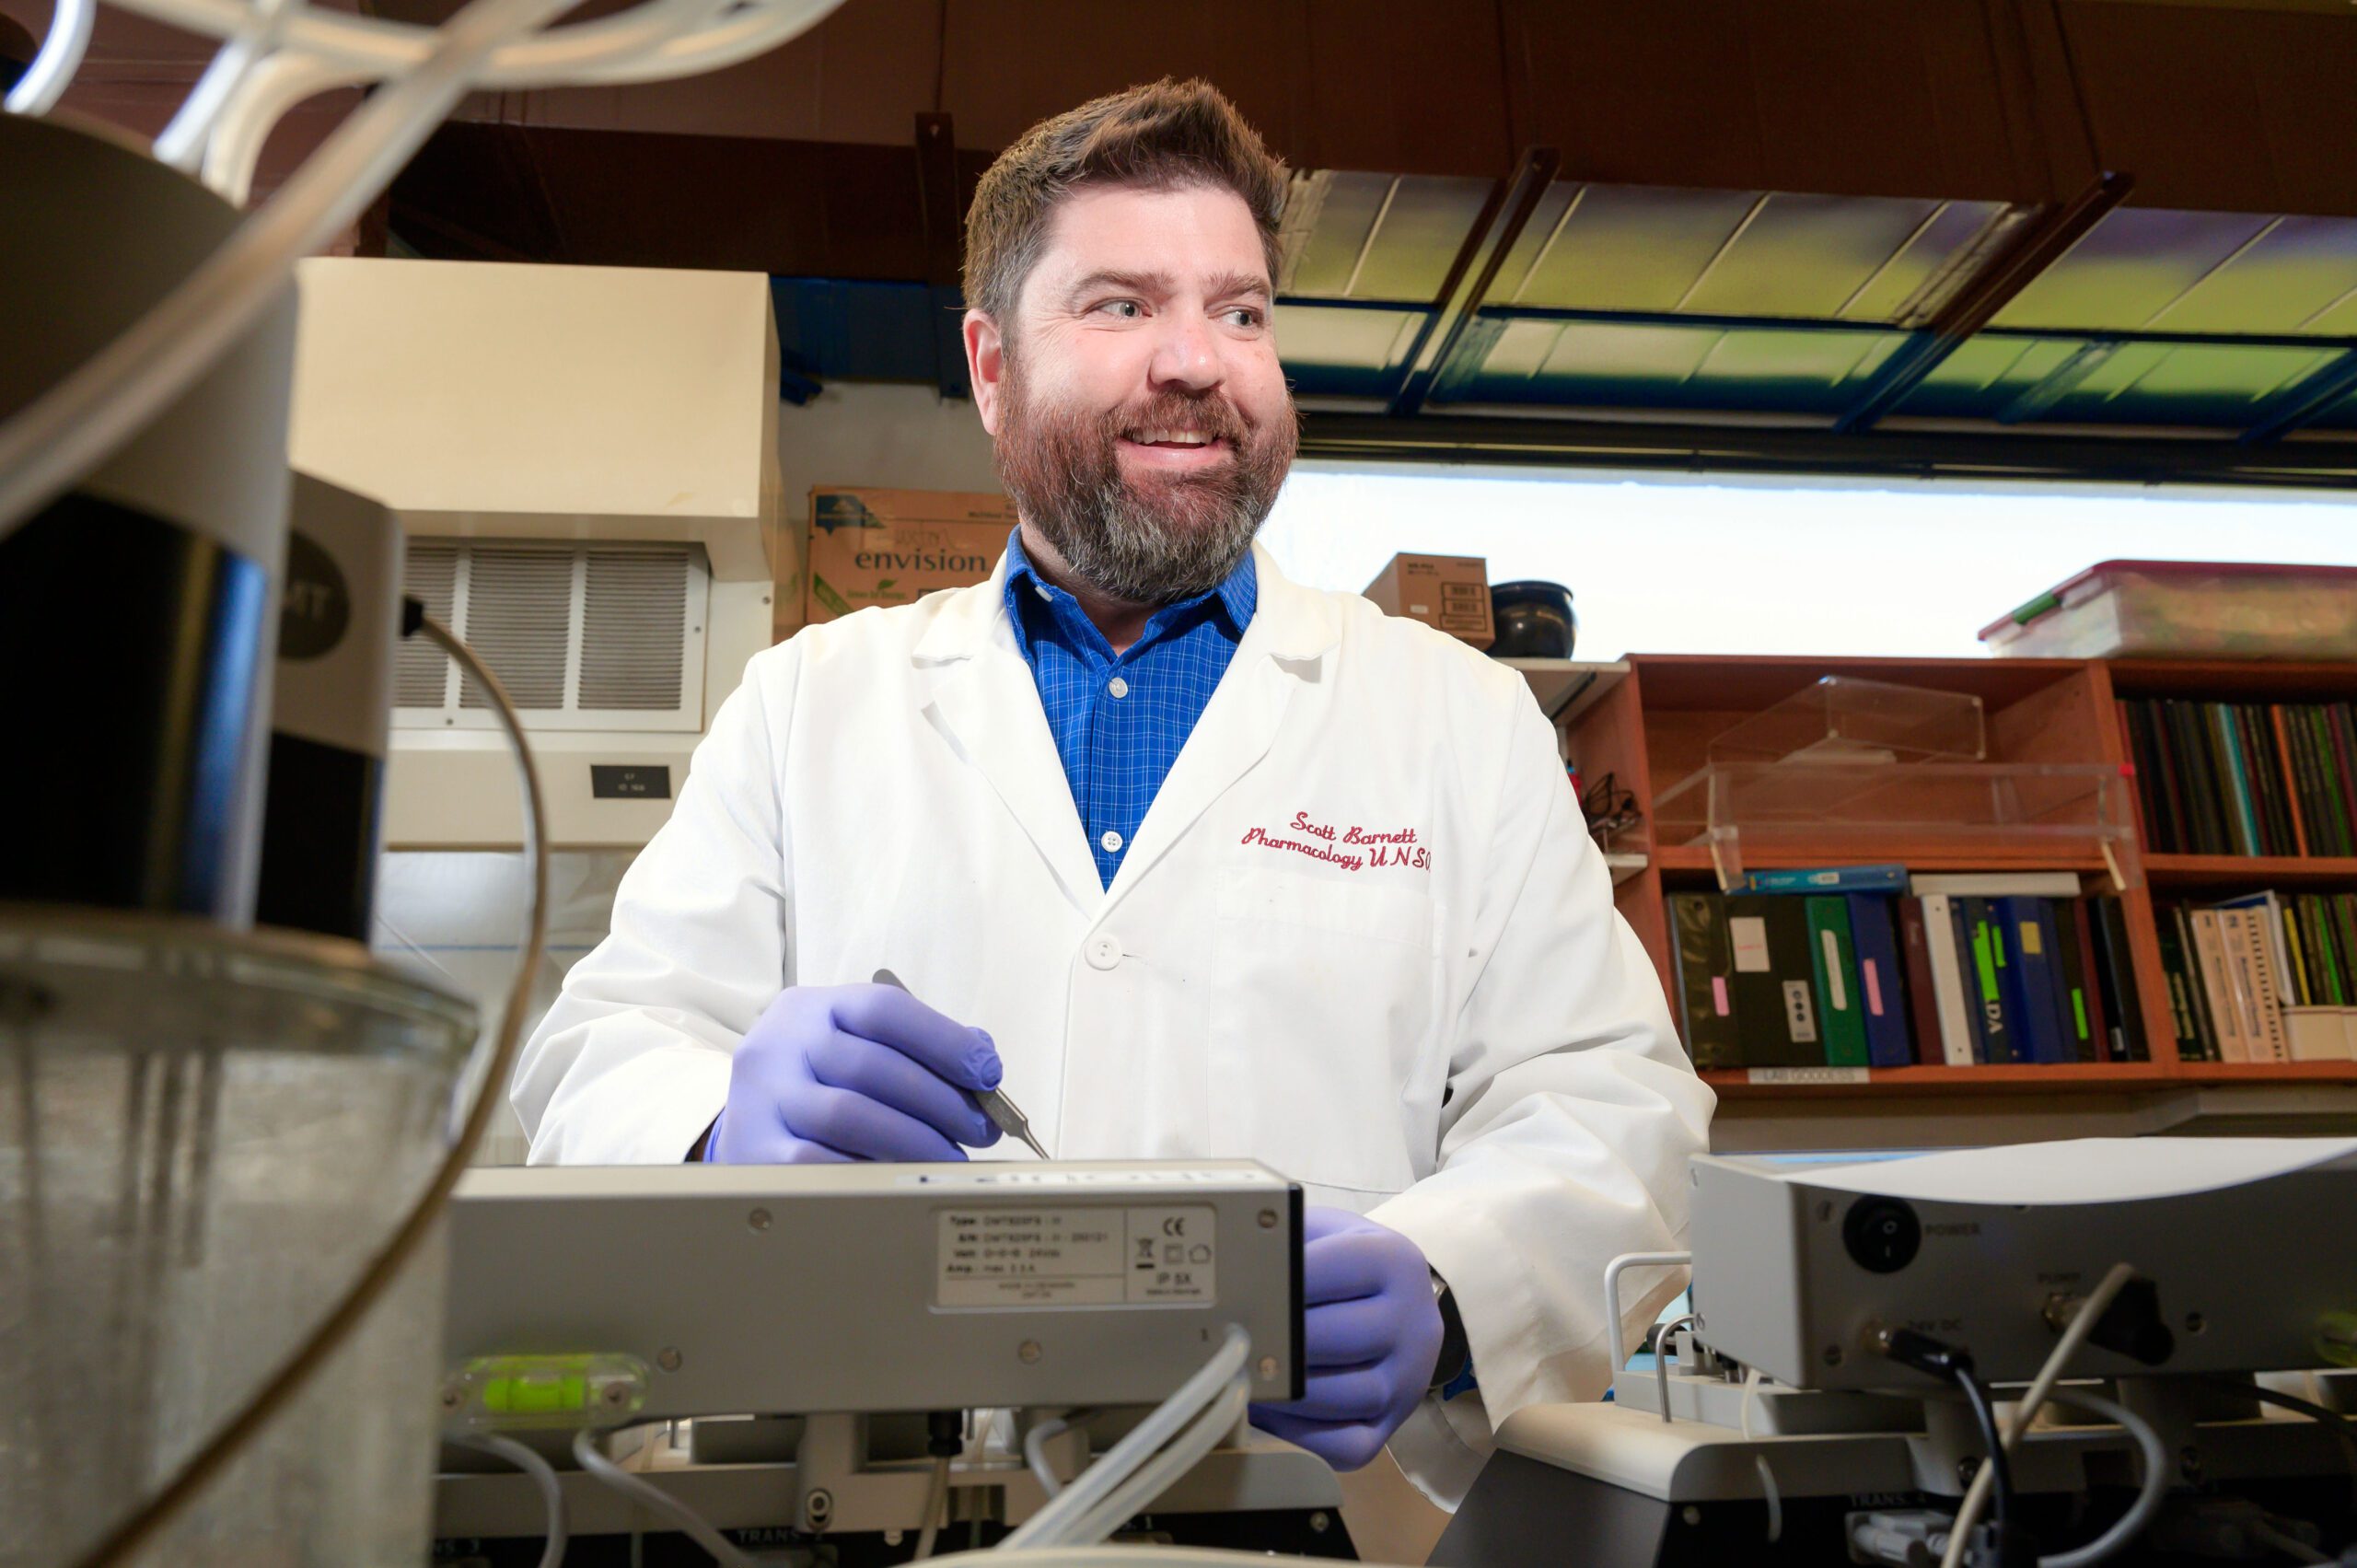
x,y
2304,402
1612,444
1853,327
943,215
1977,303
1502,219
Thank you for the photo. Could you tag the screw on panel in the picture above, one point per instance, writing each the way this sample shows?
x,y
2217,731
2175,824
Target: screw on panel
x,y
1320,1523
1028,1352
452,1399
819,1507
1267,1368
1690,1514
1268,1219
616,1394
2195,1323
758,1219
669,1358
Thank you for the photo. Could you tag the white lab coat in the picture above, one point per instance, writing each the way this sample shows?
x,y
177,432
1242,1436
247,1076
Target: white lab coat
x,y
1362,935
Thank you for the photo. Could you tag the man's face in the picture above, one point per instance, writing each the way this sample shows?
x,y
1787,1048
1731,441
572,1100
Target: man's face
x,y
1140,417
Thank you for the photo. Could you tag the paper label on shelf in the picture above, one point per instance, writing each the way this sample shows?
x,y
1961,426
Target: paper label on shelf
x,y
1804,1075
1800,1012
1750,935
1076,1257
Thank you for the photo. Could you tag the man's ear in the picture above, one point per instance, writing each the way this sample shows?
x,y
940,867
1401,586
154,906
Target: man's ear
x,y
985,368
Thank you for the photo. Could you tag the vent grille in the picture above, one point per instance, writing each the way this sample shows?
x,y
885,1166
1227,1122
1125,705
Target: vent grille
x,y
519,617
573,632
421,676
634,615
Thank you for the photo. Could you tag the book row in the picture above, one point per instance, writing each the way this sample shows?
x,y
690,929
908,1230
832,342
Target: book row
x,y
2244,778
1870,967
2268,977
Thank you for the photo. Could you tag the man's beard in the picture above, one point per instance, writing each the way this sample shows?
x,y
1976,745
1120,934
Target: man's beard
x,y
1157,539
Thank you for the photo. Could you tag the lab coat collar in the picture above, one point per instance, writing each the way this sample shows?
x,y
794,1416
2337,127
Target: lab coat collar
x,y
1290,622
987,701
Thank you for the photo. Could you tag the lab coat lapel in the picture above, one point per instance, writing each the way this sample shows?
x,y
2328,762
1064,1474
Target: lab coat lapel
x,y
986,704
1291,636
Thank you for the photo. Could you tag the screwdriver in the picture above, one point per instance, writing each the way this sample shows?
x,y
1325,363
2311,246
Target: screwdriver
x,y
1004,1112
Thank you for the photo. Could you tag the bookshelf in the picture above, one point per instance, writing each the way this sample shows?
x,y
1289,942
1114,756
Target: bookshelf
x,y
1651,727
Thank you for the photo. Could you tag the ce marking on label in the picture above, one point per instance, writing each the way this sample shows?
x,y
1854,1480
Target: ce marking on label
x,y
1175,1227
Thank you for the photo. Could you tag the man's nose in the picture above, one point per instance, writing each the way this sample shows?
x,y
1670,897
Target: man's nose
x,y
1186,354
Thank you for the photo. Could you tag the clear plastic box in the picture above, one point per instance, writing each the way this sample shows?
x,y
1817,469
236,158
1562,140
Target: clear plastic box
x,y
1839,718
2187,609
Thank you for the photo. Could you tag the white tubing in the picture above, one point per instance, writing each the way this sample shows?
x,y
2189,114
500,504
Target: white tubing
x,y
1615,1345
2157,1470
81,421
182,144
653,1498
1163,1471
1126,1458
376,48
1035,1452
2058,1360
45,80
543,1476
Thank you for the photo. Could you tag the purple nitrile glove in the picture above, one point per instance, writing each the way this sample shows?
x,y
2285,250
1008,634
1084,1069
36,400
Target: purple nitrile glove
x,y
1371,1333
840,1073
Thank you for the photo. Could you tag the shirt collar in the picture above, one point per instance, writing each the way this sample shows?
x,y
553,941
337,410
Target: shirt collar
x,y
1237,596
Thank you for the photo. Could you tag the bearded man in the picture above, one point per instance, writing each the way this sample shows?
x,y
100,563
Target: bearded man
x,y
1190,860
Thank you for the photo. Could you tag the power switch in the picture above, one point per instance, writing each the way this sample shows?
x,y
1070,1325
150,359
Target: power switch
x,y
1882,1234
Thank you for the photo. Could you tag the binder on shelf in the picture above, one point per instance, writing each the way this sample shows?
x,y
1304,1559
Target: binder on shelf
x,y
1840,1004
2256,925
1922,994
2081,1004
2225,1005
1881,984
2029,980
1985,941
1776,1009
1944,925
2116,968
1705,979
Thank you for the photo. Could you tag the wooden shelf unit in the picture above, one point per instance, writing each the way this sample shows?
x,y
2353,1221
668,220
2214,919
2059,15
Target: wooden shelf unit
x,y
1651,727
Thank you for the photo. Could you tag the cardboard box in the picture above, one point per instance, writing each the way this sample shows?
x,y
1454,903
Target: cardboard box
x,y
868,547
1449,593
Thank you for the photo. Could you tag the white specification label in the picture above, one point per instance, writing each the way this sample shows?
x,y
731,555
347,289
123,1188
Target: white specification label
x,y
1076,1257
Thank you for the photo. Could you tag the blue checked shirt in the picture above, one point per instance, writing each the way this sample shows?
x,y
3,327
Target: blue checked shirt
x,y
1119,720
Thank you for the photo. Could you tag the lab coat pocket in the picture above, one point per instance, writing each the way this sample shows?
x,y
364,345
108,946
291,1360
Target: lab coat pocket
x,y
1322,1019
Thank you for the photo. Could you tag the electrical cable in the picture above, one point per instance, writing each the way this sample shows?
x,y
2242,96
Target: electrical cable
x,y
2331,1420
1999,1464
936,1503
277,1390
2074,1334
543,1476
2149,1497
1127,1457
653,1498
1662,1352
1168,1468
2290,1546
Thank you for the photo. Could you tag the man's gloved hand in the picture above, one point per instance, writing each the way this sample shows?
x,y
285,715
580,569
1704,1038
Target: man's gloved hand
x,y
838,1073
1373,1334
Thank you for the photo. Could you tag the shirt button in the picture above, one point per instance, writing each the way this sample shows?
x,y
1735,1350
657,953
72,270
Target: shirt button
x,y
1119,687
1042,590
1111,841
1104,952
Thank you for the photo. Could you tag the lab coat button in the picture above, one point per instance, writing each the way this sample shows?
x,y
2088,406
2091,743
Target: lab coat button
x,y
1104,952
1111,841
1119,687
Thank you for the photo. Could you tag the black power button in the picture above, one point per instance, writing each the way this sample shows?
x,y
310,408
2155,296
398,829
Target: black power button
x,y
1882,1234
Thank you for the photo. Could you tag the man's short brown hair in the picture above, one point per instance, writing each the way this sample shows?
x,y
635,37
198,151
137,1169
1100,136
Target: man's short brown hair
x,y
1163,136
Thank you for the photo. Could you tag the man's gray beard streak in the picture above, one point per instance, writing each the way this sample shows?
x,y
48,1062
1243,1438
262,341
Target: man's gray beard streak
x,y
1133,553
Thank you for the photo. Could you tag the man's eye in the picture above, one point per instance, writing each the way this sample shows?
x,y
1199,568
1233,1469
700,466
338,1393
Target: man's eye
x,y
1126,310
1245,316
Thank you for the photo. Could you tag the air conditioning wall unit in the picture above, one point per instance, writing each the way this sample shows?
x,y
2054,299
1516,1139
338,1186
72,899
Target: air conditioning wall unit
x,y
584,461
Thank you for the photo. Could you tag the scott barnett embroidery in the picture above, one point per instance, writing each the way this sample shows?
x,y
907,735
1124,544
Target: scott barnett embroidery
x,y
1350,847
